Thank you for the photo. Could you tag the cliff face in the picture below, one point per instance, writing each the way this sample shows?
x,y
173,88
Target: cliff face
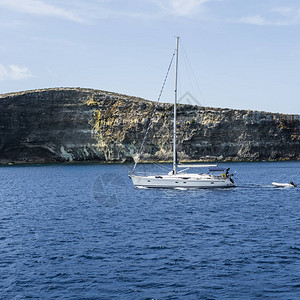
x,y
73,124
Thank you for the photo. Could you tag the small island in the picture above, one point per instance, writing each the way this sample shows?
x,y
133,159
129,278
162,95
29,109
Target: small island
x,y
86,125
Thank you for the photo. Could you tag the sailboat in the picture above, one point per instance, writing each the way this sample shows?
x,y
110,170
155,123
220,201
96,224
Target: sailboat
x,y
217,177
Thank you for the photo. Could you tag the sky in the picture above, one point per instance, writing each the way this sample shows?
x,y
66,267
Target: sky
x,y
233,53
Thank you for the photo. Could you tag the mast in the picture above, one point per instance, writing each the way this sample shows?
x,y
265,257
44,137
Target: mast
x,y
175,103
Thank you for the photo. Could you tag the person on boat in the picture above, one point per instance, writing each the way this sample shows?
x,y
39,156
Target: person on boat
x,y
227,172
293,184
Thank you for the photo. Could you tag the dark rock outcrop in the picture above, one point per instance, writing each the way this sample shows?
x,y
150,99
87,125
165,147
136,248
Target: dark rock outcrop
x,y
74,124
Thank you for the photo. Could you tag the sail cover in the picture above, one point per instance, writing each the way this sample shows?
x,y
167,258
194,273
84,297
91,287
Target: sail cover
x,y
196,166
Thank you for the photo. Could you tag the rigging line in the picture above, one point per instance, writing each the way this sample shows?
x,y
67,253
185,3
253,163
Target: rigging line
x,y
193,73
161,167
153,113
189,77
188,70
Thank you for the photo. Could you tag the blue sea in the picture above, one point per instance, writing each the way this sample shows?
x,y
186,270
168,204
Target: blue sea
x,y
84,232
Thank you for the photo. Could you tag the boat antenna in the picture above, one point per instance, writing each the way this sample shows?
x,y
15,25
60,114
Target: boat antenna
x,y
175,104
153,113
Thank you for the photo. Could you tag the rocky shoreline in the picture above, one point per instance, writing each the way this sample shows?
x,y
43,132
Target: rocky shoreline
x,y
85,125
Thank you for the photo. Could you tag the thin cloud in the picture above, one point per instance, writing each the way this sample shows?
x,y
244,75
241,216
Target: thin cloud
x,y
88,13
181,7
142,9
291,16
254,20
284,11
185,7
145,9
38,7
14,72
281,16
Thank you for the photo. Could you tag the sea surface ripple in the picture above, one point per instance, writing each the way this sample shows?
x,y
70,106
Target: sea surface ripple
x,y
84,232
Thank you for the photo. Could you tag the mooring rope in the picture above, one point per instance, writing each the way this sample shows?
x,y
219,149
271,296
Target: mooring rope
x,y
152,117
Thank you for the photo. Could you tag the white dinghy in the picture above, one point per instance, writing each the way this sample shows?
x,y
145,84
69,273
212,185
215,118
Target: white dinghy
x,y
284,185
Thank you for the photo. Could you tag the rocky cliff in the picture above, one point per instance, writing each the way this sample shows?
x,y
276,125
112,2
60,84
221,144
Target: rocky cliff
x,y
74,124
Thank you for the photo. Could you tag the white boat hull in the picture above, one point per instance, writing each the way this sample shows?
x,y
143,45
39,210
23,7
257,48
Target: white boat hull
x,y
282,185
187,181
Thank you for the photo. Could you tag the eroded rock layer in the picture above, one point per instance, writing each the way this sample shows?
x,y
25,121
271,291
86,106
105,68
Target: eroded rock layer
x,y
74,124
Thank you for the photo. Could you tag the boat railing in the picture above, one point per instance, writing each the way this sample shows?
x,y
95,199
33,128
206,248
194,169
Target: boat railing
x,y
217,176
146,173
